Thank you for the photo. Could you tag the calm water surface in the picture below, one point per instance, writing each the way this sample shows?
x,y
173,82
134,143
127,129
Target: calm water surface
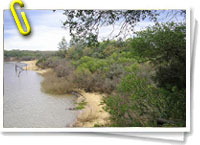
x,y
26,106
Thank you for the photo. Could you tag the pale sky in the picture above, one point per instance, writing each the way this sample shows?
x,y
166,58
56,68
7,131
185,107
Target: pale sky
x,y
46,30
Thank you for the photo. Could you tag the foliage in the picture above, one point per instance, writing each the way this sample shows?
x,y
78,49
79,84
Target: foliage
x,y
62,47
48,62
25,55
165,46
81,105
53,84
85,24
138,103
143,77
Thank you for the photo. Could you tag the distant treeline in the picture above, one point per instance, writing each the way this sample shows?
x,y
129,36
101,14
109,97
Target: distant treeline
x,y
25,55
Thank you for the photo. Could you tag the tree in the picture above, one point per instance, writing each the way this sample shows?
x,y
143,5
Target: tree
x,y
141,102
62,46
165,46
85,24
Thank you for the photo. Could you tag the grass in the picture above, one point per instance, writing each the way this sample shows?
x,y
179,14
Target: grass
x,y
81,105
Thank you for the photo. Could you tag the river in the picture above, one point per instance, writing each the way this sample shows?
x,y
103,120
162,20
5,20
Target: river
x,y
26,106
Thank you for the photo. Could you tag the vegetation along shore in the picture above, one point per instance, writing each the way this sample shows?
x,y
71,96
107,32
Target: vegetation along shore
x,y
134,82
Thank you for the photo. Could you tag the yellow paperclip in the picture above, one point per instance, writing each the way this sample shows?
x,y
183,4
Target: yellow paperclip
x,y
17,19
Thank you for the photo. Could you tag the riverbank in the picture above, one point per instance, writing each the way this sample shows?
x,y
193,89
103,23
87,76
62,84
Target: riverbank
x,y
91,113
31,65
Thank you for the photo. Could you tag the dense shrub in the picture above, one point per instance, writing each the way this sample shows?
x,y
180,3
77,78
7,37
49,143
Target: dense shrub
x,y
83,79
58,85
164,45
141,102
138,103
143,77
48,62
63,68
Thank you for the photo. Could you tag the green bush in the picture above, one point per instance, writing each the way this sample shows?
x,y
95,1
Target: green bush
x,y
143,77
138,103
164,45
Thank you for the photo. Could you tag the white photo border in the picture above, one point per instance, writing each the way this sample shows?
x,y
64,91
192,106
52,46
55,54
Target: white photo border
x,y
110,129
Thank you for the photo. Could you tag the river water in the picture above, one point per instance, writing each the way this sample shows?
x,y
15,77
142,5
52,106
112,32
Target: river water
x,y
25,106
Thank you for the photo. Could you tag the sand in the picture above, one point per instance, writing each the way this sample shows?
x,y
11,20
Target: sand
x,y
31,65
93,113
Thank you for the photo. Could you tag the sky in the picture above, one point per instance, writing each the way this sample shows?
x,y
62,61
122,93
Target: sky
x,y
47,30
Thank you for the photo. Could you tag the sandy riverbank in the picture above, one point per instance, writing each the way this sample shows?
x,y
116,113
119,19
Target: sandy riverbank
x,y
31,65
93,112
